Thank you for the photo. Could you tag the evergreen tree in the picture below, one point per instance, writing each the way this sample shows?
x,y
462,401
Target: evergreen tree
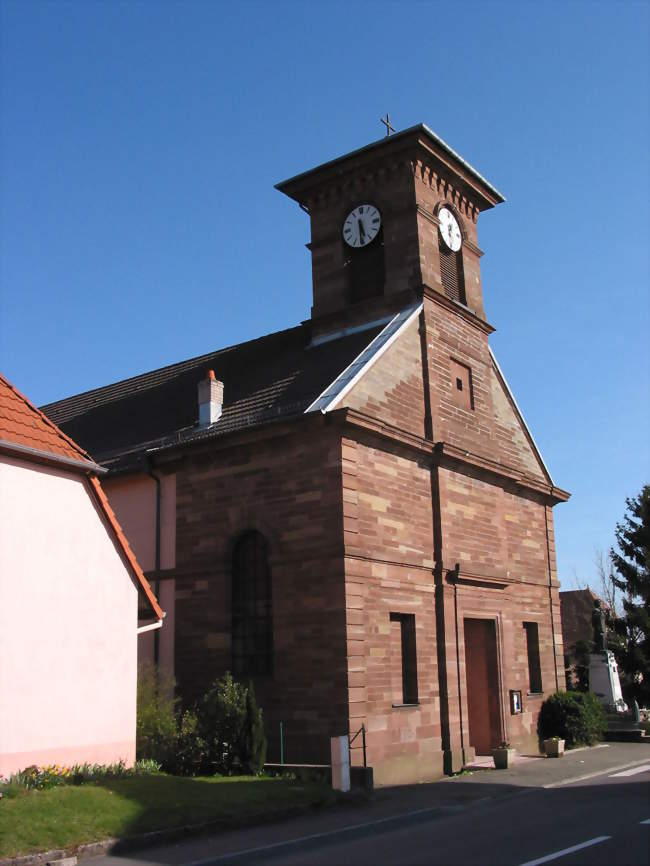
x,y
254,738
631,562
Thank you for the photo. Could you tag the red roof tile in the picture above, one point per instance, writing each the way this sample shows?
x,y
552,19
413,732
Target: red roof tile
x,y
124,544
21,423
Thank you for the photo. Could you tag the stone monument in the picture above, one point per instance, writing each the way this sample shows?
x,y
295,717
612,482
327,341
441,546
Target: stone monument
x,y
604,681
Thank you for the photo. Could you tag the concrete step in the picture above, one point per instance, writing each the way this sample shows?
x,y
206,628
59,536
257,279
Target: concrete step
x,y
626,735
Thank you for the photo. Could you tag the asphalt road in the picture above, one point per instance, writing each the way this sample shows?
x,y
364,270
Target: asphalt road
x,y
605,815
587,808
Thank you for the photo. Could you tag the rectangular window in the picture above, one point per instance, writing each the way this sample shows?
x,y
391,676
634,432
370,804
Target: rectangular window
x,y
534,667
404,657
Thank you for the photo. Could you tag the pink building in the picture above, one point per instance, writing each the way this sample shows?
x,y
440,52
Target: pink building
x,y
73,601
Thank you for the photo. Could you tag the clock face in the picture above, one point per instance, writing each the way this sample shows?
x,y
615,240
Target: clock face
x,y
449,229
361,225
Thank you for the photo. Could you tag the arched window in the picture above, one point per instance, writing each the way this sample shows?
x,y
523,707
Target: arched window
x,y
366,269
252,624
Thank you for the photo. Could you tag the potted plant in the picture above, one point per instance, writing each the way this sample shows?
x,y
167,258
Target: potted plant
x,y
554,747
502,755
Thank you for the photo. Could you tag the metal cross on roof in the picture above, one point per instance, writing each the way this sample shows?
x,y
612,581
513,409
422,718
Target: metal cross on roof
x,y
386,122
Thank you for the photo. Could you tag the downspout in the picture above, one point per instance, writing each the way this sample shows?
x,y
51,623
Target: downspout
x,y
550,599
455,573
156,584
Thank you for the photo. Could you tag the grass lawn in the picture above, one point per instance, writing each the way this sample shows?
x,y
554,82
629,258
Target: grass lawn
x,y
71,815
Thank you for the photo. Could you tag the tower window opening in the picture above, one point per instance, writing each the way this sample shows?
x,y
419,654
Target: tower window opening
x,y
366,269
451,273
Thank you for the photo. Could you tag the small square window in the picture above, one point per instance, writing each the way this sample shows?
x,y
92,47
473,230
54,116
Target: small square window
x,y
459,384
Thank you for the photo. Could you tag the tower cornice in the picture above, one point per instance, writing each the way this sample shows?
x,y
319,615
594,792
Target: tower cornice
x,y
416,146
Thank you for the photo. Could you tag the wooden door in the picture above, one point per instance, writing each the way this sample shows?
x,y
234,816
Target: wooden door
x,y
482,675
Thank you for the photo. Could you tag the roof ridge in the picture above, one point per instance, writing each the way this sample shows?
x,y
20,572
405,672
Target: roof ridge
x,y
47,421
167,367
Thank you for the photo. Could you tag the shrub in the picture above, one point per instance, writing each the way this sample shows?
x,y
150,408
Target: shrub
x,y
231,726
156,725
576,717
190,753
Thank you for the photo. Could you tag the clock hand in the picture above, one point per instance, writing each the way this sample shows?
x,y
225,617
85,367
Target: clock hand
x,y
362,233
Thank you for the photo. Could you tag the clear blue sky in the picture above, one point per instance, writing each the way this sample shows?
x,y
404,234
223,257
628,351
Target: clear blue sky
x,y
139,224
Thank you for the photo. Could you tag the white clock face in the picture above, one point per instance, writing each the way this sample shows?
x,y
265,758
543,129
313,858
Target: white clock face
x,y
449,229
361,225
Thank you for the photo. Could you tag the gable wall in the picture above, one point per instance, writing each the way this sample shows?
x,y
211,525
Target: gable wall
x,y
392,389
64,585
491,428
287,487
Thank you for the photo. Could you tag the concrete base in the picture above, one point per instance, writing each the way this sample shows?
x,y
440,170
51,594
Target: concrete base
x,y
456,759
362,777
409,770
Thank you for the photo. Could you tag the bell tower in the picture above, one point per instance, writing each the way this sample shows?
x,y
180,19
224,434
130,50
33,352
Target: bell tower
x,y
389,223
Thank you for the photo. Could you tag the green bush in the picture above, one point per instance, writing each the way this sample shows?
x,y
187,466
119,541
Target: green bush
x,y
190,754
156,731
231,726
225,734
576,717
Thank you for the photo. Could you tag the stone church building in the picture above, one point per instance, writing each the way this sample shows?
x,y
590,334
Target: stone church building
x,y
352,512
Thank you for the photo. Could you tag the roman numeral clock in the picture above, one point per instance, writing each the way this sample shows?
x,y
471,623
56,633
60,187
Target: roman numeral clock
x,y
365,257
361,225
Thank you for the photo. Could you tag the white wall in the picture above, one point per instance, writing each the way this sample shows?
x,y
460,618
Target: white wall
x,y
68,620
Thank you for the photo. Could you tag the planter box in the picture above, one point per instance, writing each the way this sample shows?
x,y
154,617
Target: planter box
x,y
554,748
502,758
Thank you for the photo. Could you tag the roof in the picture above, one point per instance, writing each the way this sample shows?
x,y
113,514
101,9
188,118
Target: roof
x,y
25,429
286,185
272,378
28,433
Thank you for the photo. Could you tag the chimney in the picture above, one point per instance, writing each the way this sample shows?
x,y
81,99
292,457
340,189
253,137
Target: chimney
x,y
210,400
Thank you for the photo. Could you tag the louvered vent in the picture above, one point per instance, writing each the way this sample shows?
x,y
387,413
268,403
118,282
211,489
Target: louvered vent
x,y
451,272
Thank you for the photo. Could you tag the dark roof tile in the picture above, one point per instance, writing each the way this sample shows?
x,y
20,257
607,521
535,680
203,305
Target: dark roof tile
x,y
273,377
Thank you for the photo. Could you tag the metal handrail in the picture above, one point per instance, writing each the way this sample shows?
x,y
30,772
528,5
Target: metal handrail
x,y
362,731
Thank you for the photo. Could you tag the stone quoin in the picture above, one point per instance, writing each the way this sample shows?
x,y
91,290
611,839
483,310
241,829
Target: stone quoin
x,y
365,529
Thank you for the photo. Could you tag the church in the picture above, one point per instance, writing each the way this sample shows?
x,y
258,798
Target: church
x,y
352,513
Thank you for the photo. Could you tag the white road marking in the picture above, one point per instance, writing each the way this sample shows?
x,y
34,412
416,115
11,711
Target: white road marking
x,y
592,775
564,851
632,772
